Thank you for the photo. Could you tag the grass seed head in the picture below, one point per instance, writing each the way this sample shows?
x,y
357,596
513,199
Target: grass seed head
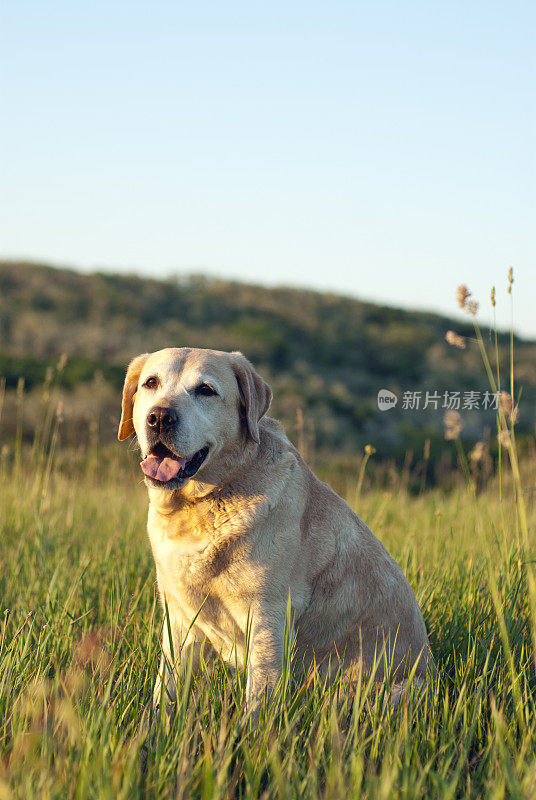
x,y
453,425
505,439
478,453
506,405
465,301
462,295
91,651
426,449
455,339
471,307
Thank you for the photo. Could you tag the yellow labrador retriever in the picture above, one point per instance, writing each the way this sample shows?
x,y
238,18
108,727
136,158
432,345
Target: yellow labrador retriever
x,y
237,520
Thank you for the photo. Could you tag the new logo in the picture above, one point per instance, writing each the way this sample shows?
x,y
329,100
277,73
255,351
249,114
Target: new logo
x,y
386,400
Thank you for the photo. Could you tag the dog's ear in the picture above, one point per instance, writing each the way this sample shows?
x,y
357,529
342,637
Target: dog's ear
x,y
255,394
126,426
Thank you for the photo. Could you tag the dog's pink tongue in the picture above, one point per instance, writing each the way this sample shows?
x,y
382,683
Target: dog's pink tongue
x,y
162,468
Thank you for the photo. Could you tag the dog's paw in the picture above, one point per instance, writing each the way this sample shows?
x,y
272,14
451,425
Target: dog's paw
x,y
406,692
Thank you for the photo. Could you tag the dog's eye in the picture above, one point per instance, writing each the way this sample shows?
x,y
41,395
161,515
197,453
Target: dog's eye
x,y
151,383
205,390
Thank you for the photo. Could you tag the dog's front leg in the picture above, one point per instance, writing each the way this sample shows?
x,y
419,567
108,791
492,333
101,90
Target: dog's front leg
x,y
165,690
265,661
176,656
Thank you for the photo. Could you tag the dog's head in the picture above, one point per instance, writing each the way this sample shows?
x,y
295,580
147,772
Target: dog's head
x,y
193,411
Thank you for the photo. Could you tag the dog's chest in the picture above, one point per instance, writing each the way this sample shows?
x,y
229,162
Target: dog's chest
x,y
184,555
197,577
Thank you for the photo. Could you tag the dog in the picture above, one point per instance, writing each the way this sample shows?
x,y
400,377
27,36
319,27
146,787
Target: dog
x,y
238,523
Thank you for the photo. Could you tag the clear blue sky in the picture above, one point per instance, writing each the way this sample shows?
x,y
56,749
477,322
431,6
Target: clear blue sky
x,y
379,149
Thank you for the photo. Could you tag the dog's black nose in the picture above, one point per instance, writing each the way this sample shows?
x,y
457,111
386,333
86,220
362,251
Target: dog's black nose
x,y
161,418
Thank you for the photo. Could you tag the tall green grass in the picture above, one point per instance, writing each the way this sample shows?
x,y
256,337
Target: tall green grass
x,y
79,649
80,644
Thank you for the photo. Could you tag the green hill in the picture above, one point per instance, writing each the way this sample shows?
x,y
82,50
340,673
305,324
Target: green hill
x,y
324,354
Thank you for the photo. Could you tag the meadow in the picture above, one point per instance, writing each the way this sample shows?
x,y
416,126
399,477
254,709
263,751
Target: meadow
x,y
80,626
79,648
